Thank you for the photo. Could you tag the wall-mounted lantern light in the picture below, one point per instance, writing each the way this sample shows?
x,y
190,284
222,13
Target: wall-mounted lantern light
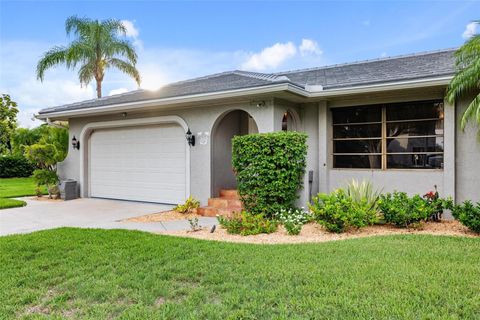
x,y
75,143
190,138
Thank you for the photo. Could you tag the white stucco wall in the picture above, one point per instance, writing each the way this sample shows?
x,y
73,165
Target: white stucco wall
x,y
460,177
198,119
467,153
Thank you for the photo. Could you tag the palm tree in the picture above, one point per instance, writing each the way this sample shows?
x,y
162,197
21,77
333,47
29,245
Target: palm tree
x,y
96,48
467,79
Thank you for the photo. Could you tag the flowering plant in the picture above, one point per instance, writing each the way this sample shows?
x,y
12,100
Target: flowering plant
x,y
293,219
439,204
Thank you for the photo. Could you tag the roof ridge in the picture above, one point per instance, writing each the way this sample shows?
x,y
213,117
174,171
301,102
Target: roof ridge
x,y
201,78
422,53
262,76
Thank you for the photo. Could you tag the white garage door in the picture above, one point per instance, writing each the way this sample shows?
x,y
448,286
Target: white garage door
x,y
139,163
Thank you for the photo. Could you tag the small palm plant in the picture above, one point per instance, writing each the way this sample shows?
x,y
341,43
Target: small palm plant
x,y
467,79
363,192
96,48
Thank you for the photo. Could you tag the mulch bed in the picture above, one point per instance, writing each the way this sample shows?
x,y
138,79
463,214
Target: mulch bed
x,y
171,215
313,232
45,198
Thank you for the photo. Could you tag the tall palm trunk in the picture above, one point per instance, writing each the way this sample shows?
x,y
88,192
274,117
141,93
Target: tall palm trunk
x,y
99,88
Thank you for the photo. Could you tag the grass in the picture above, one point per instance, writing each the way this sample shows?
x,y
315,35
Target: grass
x,y
11,203
101,274
16,187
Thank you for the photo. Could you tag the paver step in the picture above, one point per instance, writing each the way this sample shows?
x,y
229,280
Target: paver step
x,y
207,211
224,202
229,193
226,205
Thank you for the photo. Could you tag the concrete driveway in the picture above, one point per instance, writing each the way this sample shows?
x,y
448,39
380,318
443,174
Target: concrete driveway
x,y
87,213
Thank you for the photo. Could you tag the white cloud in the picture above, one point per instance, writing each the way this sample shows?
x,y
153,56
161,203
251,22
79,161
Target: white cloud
x,y
270,57
132,31
309,46
285,55
383,55
470,30
118,91
17,78
157,66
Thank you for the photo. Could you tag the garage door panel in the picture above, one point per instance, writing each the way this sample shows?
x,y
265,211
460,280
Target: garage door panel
x,y
139,163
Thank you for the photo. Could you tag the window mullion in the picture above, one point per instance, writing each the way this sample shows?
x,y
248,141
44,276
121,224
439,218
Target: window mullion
x,y
384,137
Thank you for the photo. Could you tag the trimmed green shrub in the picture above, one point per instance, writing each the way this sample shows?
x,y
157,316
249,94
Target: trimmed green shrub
x,y
47,178
338,212
15,167
401,210
468,214
269,169
247,224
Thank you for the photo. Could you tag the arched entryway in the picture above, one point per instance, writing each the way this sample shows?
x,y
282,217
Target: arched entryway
x,y
228,125
289,121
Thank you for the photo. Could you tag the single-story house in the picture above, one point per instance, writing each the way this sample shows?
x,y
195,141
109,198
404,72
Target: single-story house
x,y
383,120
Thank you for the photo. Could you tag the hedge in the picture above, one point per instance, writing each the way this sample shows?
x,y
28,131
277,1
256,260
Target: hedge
x,y
15,167
269,170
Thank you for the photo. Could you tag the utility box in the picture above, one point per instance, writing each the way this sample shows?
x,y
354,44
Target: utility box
x,y
68,189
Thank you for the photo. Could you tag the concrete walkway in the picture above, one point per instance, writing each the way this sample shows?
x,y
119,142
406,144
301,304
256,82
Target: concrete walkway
x,y
87,213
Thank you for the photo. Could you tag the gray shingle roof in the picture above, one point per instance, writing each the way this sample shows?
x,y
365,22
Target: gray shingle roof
x,y
213,83
409,67
415,66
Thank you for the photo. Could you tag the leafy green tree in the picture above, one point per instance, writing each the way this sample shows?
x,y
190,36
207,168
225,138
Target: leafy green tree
x,y
45,156
467,79
8,122
24,137
96,48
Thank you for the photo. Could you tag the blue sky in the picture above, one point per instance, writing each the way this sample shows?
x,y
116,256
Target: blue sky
x,y
179,40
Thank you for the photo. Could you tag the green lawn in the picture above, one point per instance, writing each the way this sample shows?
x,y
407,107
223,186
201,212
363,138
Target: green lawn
x,y
11,203
16,187
101,274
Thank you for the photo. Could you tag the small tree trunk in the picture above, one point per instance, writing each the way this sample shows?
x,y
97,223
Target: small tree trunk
x,y
99,88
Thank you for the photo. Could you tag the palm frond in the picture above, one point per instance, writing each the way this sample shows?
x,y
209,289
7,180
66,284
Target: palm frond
x,y
114,26
86,73
122,48
472,111
78,26
96,47
56,55
465,81
79,51
126,68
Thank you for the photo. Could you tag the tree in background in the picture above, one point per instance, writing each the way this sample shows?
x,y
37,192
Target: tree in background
x,y
23,137
45,156
8,122
467,79
96,48
45,147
